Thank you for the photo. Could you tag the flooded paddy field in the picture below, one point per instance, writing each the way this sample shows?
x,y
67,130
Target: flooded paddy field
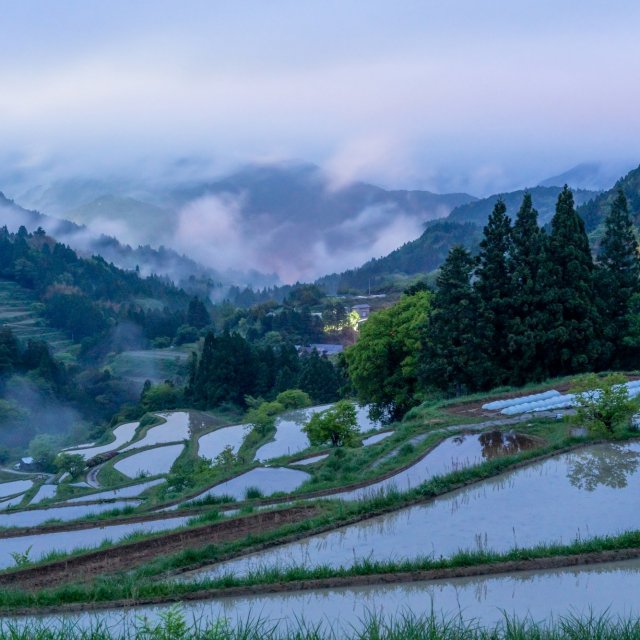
x,y
34,517
41,544
539,595
591,492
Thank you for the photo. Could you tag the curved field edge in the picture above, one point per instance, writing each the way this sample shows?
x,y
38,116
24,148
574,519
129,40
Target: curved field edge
x,y
129,588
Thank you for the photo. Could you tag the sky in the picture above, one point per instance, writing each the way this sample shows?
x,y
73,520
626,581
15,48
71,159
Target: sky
x,y
459,95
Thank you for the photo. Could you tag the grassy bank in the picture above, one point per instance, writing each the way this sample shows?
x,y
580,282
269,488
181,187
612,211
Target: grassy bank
x,y
174,625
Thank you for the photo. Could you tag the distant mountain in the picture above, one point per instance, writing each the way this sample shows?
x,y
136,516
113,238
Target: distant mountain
x,y
281,218
594,211
163,262
593,176
462,226
544,200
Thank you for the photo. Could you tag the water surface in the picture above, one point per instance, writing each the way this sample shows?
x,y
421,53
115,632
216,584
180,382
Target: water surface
x,y
578,495
152,462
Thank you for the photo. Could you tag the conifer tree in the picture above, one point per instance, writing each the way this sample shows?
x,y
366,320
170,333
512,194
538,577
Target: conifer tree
x,y
527,315
494,287
453,359
618,280
571,322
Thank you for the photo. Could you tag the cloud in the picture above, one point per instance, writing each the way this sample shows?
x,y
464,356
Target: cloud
x,y
213,231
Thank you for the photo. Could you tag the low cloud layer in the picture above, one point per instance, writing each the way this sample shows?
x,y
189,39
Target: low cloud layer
x,y
213,231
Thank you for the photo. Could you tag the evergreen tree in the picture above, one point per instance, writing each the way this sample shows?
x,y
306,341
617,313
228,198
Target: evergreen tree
x,y
318,378
618,279
454,360
527,313
494,286
197,314
571,322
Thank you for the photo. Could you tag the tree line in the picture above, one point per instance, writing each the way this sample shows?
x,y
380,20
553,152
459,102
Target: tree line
x,y
532,304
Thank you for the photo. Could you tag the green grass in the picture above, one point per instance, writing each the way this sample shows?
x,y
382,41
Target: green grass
x,y
174,624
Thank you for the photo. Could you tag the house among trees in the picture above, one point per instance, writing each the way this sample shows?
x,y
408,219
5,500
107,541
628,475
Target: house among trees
x,y
363,310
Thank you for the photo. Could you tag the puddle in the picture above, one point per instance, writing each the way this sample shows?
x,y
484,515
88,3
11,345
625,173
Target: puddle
x,y
35,517
44,543
44,492
540,595
590,493
122,435
450,455
175,428
211,445
124,492
152,462
16,486
311,460
267,479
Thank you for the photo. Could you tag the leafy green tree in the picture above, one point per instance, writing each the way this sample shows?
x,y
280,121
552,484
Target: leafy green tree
x,y
454,360
618,280
337,426
494,287
71,463
571,322
526,323
603,404
384,364
43,451
263,417
160,396
293,399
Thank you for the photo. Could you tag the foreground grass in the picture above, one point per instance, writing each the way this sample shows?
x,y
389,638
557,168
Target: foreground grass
x,y
173,625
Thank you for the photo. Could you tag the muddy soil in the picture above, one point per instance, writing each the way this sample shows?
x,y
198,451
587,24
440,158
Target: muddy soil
x,y
85,567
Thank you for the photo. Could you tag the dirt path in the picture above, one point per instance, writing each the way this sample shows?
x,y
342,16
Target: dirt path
x,y
125,557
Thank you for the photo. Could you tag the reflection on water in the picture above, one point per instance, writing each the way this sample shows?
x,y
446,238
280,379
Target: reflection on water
x,y
540,595
526,507
610,467
496,443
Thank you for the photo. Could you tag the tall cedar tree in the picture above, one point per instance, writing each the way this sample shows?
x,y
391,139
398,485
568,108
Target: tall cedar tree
x,y
526,324
571,320
454,360
618,279
494,287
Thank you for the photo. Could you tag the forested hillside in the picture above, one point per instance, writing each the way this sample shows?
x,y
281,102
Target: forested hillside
x,y
532,305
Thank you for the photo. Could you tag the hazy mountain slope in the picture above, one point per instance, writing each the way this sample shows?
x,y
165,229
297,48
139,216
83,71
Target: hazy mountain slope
x,y
544,200
286,218
594,211
462,226
594,176
159,261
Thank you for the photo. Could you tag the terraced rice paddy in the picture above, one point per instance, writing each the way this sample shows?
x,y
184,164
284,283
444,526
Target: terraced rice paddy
x,y
577,495
122,434
267,480
151,462
41,544
35,517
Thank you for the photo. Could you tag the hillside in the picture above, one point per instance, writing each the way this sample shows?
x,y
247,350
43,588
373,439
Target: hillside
x,y
462,226
544,200
285,218
594,212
